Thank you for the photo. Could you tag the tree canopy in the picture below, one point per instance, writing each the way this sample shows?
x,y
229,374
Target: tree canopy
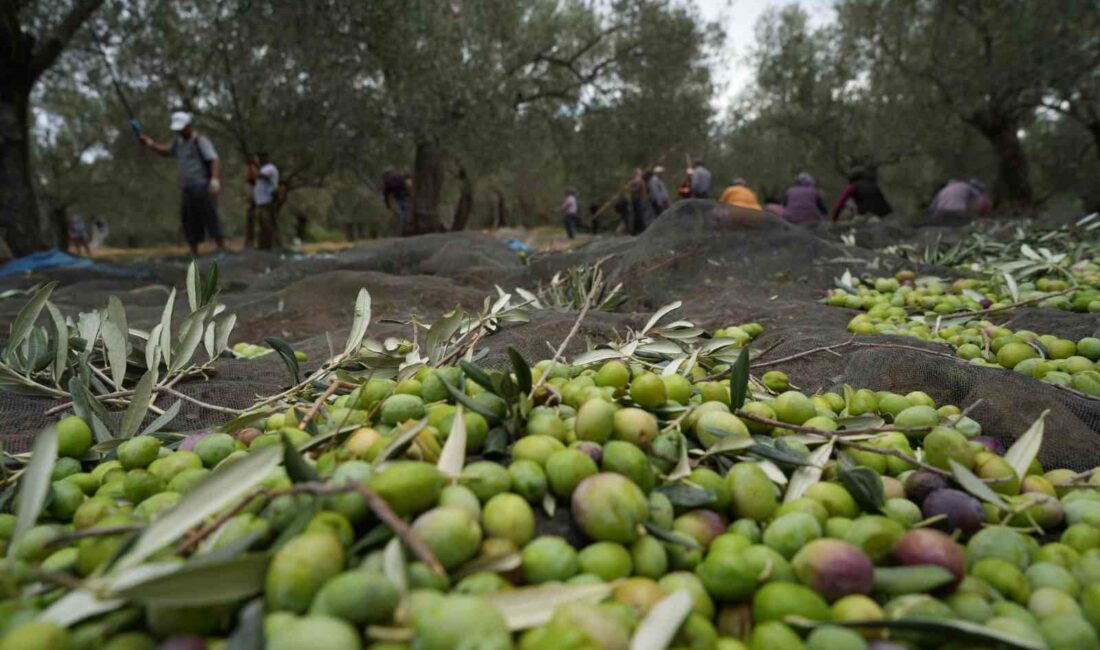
x,y
496,106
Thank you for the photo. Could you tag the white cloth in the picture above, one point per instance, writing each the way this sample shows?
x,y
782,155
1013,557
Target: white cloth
x,y
267,181
570,205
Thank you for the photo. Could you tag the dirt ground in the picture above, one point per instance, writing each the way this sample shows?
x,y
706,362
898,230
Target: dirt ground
x,y
727,268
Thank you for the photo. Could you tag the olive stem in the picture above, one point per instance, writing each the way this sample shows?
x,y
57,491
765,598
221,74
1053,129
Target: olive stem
x,y
316,407
896,454
375,502
823,432
806,353
572,332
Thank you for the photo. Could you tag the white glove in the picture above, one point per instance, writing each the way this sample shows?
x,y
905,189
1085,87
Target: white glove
x,y
214,186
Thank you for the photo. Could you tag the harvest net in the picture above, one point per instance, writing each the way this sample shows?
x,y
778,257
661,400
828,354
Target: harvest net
x,y
726,265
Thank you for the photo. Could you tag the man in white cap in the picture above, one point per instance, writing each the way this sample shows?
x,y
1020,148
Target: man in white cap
x,y
199,170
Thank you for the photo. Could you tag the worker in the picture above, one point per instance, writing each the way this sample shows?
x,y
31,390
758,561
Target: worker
x,y
251,170
199,173
658,193
700,180
802,201
569,209
739,194
862,196
957,201
395,188
265,195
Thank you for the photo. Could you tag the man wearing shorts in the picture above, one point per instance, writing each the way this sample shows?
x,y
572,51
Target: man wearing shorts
x,y
199,170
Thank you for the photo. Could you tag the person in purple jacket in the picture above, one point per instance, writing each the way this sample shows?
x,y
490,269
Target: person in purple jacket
x,y
802,201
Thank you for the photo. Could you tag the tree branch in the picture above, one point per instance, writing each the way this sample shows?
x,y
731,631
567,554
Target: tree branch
x,y
51,46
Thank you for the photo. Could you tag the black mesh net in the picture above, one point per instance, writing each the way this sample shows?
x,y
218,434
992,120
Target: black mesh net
x,y
727,265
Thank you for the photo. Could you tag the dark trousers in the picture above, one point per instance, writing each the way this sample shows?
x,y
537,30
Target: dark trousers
x,y
199,214
269,229
570,225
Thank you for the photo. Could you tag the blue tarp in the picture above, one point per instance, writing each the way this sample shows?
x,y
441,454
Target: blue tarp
x,y
54,258
519,246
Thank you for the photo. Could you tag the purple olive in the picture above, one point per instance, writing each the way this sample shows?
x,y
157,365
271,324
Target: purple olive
x,y
922,546
190,441
963,512
991,444
921,483
594,451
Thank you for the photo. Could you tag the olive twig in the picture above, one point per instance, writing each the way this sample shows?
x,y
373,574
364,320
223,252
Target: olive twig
x,y
805,353
374,502
316,406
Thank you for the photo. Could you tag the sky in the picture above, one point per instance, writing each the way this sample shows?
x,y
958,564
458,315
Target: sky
x,y
732,72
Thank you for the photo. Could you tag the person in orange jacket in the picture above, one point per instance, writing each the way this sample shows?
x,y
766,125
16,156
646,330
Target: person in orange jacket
x,y
739,194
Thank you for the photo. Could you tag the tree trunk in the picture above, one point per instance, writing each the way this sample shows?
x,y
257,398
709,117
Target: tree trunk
x,y
1091,196
1013,187
18,210
465,205
501,217
427,187
59,224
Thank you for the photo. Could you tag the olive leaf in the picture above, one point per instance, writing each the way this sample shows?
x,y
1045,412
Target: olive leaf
x,y
941,627
34,487
920,579
26,317
393,565
210,287
139,404
222,329
490,564
865,486
659,627
193,288
248,634
659,314
400,440
479,376
166,328
359,323
190,337
465,400
687,495
769,450
976,486
163,420
453,456
203,583
297,468
220,490
440,333
672,537
89,408
286,353
116,313
727,443
522,370
1022,452
739,379
528,607
805,476
61,348
245,420
114,340
596,356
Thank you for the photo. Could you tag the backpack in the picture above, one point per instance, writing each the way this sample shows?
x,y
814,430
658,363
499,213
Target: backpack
x,y
207,164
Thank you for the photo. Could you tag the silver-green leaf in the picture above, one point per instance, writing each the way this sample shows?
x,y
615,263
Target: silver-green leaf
x,y
34,486
1022,452
220,490
975,486
139,404
26,317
